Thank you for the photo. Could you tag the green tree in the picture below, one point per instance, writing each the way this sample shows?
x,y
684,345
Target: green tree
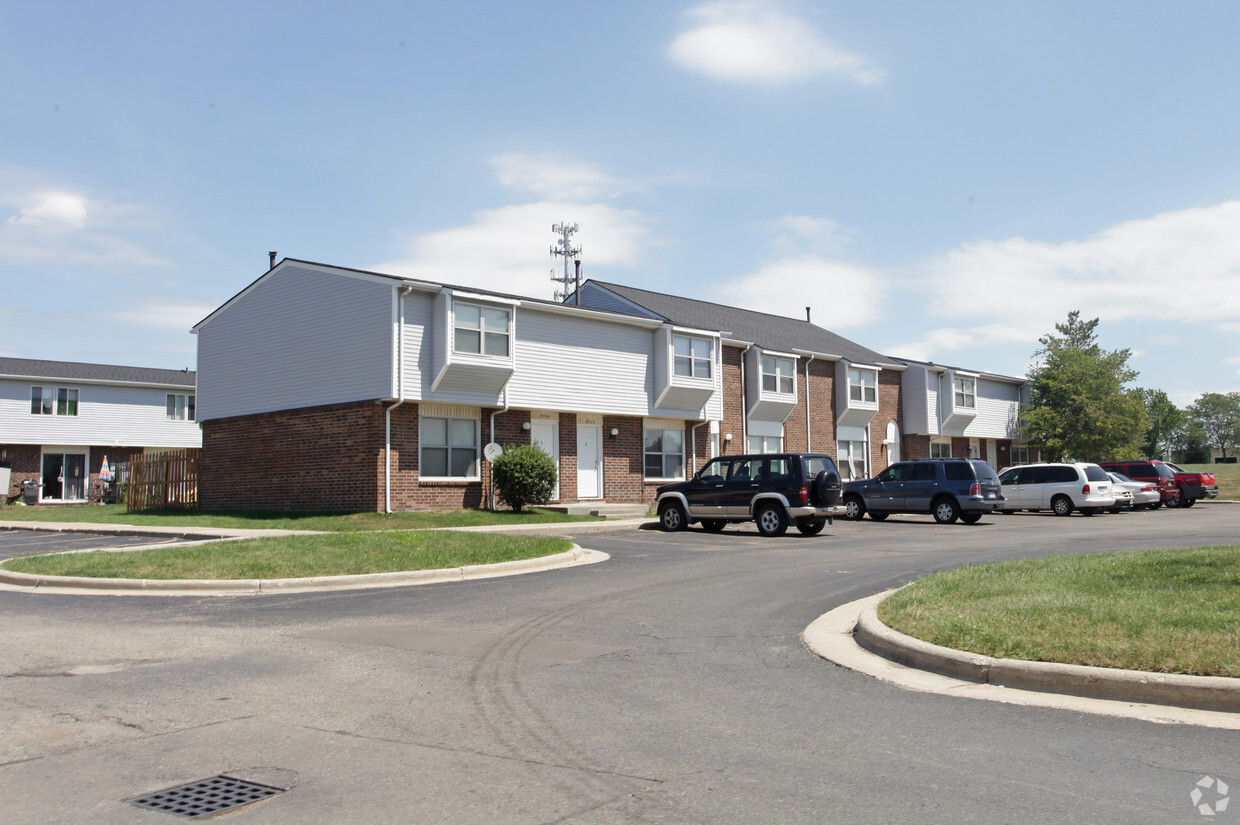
x,y
1218,416
1079,407
524,475
1164,419
1188,444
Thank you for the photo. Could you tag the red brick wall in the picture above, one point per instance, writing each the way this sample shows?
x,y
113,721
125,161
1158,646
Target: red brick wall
x,y
733,409
890,407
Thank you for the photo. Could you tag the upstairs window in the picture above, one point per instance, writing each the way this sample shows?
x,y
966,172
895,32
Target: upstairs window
x,y
966,392
481,330
777,374
863,386
53,401
180,407
691,356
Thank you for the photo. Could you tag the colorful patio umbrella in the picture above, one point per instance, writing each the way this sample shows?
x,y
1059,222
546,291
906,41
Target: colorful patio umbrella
x,y
105,472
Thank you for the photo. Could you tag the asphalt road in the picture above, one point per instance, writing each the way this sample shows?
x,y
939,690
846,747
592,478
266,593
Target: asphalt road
x,y
666,685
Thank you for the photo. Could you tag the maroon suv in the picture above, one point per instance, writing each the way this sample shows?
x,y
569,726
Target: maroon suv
x,y
1152,471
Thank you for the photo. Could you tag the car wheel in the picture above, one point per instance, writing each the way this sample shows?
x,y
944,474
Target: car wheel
x,y
1155,505
946,511
825,490
713,525
1088,511
811,526
1114,510
970,518
1187,502
1061,506
1171,503
771,519
878,516
854,508
672,517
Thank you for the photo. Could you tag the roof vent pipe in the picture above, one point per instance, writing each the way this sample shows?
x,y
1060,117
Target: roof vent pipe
x,y
807,320
271,259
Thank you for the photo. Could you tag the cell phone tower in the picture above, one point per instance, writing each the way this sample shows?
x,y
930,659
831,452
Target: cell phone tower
x,y
570,281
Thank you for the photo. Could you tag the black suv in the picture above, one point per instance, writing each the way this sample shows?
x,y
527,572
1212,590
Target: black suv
x,y
772,490
946,488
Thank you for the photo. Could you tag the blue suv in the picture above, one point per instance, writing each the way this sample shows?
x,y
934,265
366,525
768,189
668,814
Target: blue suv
x,y
946,488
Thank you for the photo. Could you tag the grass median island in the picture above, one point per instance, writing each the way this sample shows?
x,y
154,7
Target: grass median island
x,y
264,520
1166,611
294,557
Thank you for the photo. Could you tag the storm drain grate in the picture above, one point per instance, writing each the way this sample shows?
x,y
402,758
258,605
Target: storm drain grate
x,y
206,796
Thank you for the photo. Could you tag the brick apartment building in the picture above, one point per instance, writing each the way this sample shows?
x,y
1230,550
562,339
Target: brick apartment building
x,y
322,387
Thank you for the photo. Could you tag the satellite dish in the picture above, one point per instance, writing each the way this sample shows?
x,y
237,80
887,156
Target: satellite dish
x,y
492,451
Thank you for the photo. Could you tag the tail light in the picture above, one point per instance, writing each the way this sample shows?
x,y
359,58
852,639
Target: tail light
x,y
1085,490
975,490
804,495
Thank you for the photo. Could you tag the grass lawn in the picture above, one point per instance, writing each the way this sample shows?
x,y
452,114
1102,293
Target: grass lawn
x,y
340,554
1167,611
1227,476
327,522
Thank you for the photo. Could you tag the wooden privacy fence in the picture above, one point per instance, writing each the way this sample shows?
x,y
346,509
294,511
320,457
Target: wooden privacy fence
x,y
163,481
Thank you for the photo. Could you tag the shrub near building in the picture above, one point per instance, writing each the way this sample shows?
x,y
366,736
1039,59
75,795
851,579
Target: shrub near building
x,y
524,475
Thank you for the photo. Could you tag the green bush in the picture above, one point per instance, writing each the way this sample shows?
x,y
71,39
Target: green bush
x,y
524,475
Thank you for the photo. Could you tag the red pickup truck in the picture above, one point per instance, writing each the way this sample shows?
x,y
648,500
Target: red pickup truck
x,y
1193,485
1177,486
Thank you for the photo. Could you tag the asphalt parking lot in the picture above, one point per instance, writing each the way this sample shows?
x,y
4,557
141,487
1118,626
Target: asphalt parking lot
x,y
15,543
668,684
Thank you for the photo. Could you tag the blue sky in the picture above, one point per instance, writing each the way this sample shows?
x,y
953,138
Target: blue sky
x,y
942,181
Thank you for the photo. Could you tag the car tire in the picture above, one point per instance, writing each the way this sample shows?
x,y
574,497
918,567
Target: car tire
x,y
1061,506
1171,503
820,492
672,517
878,516
970,518
713,525
854,508
1155,505
945,510
771,520
1185,501
811,526
1115,510
1088,511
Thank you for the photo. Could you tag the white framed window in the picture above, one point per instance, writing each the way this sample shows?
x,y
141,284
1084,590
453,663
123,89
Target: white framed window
x,y
663,453
966,392
448,447
53,401
863,386
481,330
1020,454
180,407
766,444
941,448
691,357
853,460
778,374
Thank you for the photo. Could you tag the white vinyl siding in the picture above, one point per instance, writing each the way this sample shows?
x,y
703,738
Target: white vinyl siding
x,y
300,337
133,416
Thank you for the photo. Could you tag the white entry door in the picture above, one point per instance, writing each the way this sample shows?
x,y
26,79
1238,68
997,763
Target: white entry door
x,y
546,434
589,462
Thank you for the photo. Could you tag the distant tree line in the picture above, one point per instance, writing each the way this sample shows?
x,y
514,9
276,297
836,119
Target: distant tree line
x,y
1083,408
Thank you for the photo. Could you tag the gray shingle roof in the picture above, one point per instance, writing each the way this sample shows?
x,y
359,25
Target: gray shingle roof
x,y
771,332
72,371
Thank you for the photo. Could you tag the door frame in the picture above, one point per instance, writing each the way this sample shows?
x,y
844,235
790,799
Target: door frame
x,y
597,430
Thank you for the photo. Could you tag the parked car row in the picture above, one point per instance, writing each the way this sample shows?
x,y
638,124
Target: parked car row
x,y
776,490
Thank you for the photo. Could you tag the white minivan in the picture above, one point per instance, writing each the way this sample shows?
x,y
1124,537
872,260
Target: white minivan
x,y
1060,488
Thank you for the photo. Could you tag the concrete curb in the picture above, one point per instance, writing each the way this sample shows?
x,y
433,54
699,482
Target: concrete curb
x,y
252,587
1215,693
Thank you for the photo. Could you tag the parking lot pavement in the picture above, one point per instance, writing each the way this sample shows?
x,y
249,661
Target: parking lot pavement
x,y
15,543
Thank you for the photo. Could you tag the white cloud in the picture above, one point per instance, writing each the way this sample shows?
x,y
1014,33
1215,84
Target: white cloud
x,y
556,178
54,210
762,42
174,315
1174,267
819,281
508,249
794,234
